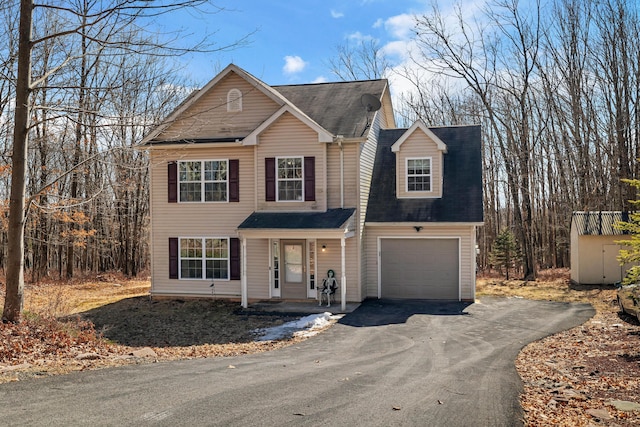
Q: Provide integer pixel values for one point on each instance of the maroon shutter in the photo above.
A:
(234, 258)
(270, 179)
(173, 257)
(309, 179)
(234, 180)
(172, 173)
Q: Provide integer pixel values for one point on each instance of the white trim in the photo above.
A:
(243, 273)
(424, 224)
(379, 249)
(192, 99)
(343, 280)
(303, 233)
(312, 293)
(323, 134)
(419, 125)
(273, 291)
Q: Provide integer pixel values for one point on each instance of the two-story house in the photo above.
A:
(257, 191)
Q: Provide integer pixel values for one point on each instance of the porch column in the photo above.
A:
(243, 285)
(343, 279)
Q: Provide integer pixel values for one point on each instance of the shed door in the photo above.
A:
(420, 268)
(611, 268)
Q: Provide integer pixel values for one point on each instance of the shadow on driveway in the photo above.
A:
(378, 312)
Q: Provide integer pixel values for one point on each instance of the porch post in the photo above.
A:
(243, 285)
(343, 279)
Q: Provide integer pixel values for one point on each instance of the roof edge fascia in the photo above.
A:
(323, 134)
(419, 124)
(252, 80)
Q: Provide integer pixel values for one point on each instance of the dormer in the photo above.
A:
(419, 163)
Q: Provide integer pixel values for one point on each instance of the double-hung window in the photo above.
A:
(290, 179)
(419, 174)
(204, 258)
(203, 181)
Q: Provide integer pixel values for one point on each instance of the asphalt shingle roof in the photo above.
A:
(461, 199)
(336, 107)
(331, 219)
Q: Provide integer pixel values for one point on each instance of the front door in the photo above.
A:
(293, 272)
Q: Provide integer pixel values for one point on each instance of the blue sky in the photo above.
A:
(294, 39)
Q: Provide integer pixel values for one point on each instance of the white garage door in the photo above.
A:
(420, 268)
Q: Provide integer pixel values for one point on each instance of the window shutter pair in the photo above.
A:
(309, 179)
(234, 181)
(234, 258)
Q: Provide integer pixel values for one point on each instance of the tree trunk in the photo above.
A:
(14, 297)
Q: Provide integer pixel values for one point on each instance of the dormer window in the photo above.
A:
(419, 174)
(234, 101)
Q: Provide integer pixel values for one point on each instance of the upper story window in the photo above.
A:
(203, 181)
(419, 174)
(234, 100)
(290, 179)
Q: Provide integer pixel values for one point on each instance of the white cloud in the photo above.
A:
(320, 79)
(293, 64)
(336, 14)
(378, 24)
(401, 26)
(358, 36)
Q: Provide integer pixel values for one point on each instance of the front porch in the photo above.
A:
(299, 249)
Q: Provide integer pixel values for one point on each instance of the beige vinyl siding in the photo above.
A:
(333, 176)
(365, 171)
(419, 145)
(331, 259)
(209, 118)
(289, 137)
(466, 234)
(195, 219)
(258, 269)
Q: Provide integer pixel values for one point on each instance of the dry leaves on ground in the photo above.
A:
(110, 322)
(572, 378)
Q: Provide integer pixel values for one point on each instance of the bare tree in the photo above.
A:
(362, 59)
(99, 26)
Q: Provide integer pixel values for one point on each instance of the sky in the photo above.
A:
(292, 41)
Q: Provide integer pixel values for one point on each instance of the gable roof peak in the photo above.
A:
(419, 124)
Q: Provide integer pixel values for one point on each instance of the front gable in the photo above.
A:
(419, 163)
(221, 113)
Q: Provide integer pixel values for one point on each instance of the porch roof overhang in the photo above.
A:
(333, 224)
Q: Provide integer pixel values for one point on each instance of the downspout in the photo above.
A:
(339, 140)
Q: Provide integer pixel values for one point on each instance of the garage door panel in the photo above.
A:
(420, 268)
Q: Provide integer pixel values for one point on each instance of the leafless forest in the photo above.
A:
(555, 86)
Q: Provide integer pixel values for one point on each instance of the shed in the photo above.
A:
(594, 249)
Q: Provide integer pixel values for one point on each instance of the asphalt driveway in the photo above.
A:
(385, 364)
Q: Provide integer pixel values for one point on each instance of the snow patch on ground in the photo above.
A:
(306, 327)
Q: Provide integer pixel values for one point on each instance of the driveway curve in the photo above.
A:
(389, 363)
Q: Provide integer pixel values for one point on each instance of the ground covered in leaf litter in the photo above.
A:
(578, 377)
(573, 378)
(88, 325)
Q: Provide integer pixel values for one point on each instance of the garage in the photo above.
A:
(420, 268)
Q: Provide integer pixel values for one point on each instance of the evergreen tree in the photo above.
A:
(505, 251)
(631, 255)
